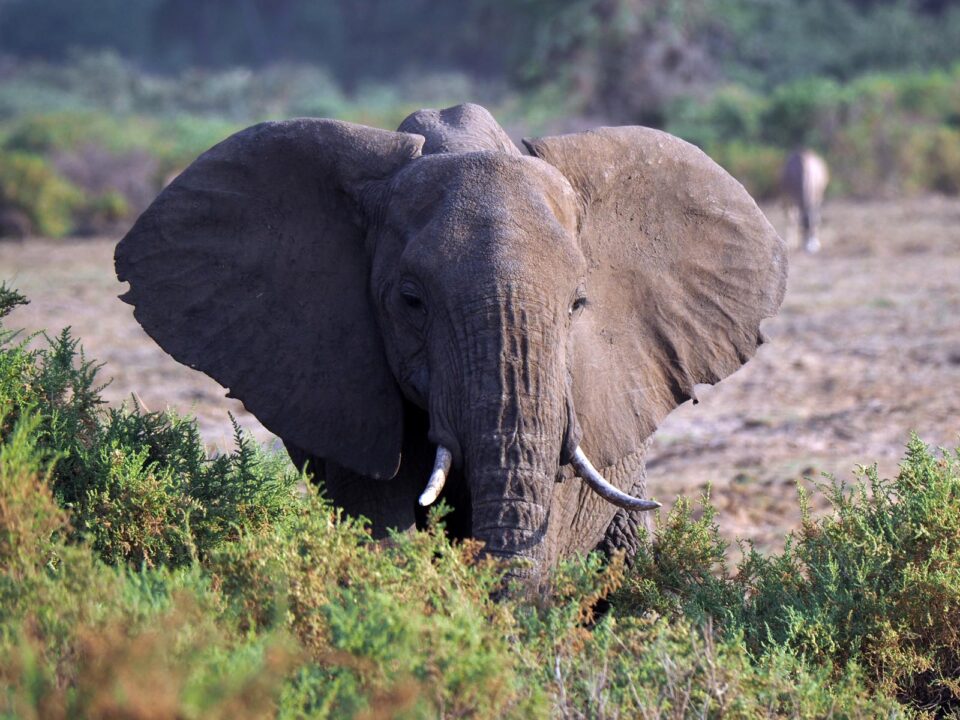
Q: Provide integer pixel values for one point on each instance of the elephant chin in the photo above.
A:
(522, 543)
(509, 507)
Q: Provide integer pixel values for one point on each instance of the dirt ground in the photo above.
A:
(865, 350)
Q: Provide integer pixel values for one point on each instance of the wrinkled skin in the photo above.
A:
(371, 295)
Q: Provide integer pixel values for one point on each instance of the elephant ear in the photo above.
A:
(251, 267)
(682, 267)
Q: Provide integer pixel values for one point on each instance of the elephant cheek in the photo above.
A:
(414, 383)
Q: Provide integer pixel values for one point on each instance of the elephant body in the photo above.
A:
(434, 303)
(804, 182)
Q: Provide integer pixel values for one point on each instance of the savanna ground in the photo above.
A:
(866, 348)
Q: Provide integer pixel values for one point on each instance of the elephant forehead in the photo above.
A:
(508, 214)
(483, 189)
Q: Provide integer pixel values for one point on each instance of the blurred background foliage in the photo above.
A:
(102, 100)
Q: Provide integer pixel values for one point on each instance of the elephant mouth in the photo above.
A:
(497, 490)
(580, 462)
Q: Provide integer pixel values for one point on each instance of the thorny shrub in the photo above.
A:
(140, 578)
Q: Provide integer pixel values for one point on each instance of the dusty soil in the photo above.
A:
(865, 350)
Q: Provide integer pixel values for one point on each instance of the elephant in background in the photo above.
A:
(803, 182)
(433, 306)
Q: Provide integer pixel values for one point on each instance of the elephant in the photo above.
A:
(803, 182)
(432, 305)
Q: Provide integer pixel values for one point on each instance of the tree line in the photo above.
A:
(624, 58)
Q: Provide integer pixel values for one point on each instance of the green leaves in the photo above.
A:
(881, 578)
(229, 588)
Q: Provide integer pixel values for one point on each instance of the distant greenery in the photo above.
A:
(778, 41)
(68, 167)
(140, 578)
(101, 101)
(881, 134)
(29, 184)
(610, 46)
(84, 147)
(84, 171)
(100, 138)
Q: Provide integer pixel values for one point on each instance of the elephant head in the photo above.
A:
(376, 297)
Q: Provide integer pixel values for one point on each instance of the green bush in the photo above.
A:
(733, 114)
(881, 134)
(864, 157)
(116, 164)
(175, 140)
(931, 160)
(804, 112)
(877, 132)
(179, 140)
(685, 574)
(758, 167)
(47, 133)
(104, 210)
(28, 183)
(138, 574)
(870, 591)
(933, 95)
(876, 583)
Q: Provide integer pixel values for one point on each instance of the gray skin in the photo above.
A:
(370, 295)
(803, 183)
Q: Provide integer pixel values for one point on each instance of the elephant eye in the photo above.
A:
(412, 300)
(578, 305)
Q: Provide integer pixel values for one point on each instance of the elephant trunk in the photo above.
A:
(504, 402)
(512, 449)
(504, 415)
(511, 477)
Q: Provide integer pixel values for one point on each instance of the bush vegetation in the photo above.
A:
(141, 578)
(881, 134)
(29, 185)
(137, 89)
(101, 138)
(627, 56)
(69, 166)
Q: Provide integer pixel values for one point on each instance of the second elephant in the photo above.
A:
(803, 183)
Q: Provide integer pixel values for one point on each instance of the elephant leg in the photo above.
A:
(811, 243)
(792, 232)
(385, 503)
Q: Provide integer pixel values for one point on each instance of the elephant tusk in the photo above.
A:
(601, 487)
(438, 477)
